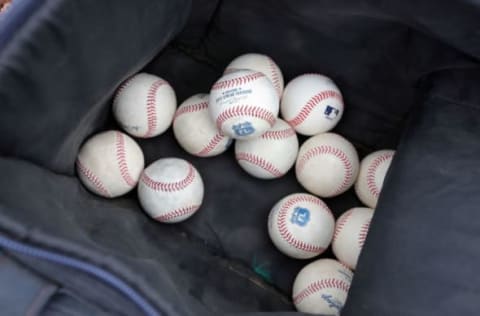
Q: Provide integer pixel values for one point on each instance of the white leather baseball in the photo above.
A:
(312, 104)
(110, 163)
(170, 190)
(262, 63)
(321, 287)
(301, 226)
(327, 165)
(373, 169)
(350, 233)
(270, 155)
(243, 104)
(144, 105)
(195, 131)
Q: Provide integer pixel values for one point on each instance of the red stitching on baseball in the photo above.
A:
(282, 222)
(191, 108)
(230, 83)
(319, 285)
(121, 159)
(372, 169)
(177, 213)
(363, 233)
(169, 186)
(311, 104)
(341, 222)
(329, 150)
(92, 178)
(151, 107)
(277, 135)
(275, 76)
(122, 88)
(211, 145)
(259, 162)
(245, 110)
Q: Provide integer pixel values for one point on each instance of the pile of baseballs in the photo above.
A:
(244, 105)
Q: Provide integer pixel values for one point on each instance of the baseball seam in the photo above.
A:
(212, 144)
(169, 186)
(311, 104)
(121, 155)
(277, 135)
(92, 178)
(230, 83)
(245, 110)
(259, 162)
(122, 88)
(363, 233)
(319, 285)
(191, 108)
(282, 223)
(341, 223)
(275, 76)
(372, 169)
(170, 215)
(329, 150)
(151, 107)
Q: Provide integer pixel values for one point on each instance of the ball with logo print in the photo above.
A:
(243, 104)
(301, 226)
(321, 287)
(312, 104)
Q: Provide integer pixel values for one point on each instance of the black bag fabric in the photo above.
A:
(409, 74)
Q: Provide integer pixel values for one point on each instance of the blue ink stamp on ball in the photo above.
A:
(332, 302)
(243, 129)
(331, 112)
(300, 216)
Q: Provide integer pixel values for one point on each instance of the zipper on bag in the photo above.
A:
(99, 273)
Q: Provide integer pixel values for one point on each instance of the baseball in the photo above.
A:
(262, 63)
(350, 233)
(321, 287)
(144, 105)
(312, 104)
(243, 104)
(170, 190)
(301, 226)
(110, 163)
(270, 155)
(327, 165)
(195, 131)
(373, 169)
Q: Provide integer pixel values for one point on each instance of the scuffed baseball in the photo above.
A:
(312, 104)
(373, 169)
(170, 190)
(110, 163)
(301, 226)
(351, 231)
(327, 165)
(195, 131)
(262, 63)
(270, 155)
(144, 105)
(321, 287)
(243, 104)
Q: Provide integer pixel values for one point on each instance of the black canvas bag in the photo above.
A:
(410, 79)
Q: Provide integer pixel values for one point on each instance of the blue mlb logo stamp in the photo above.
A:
(331, 112)
(300, 216)
(243, 129)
